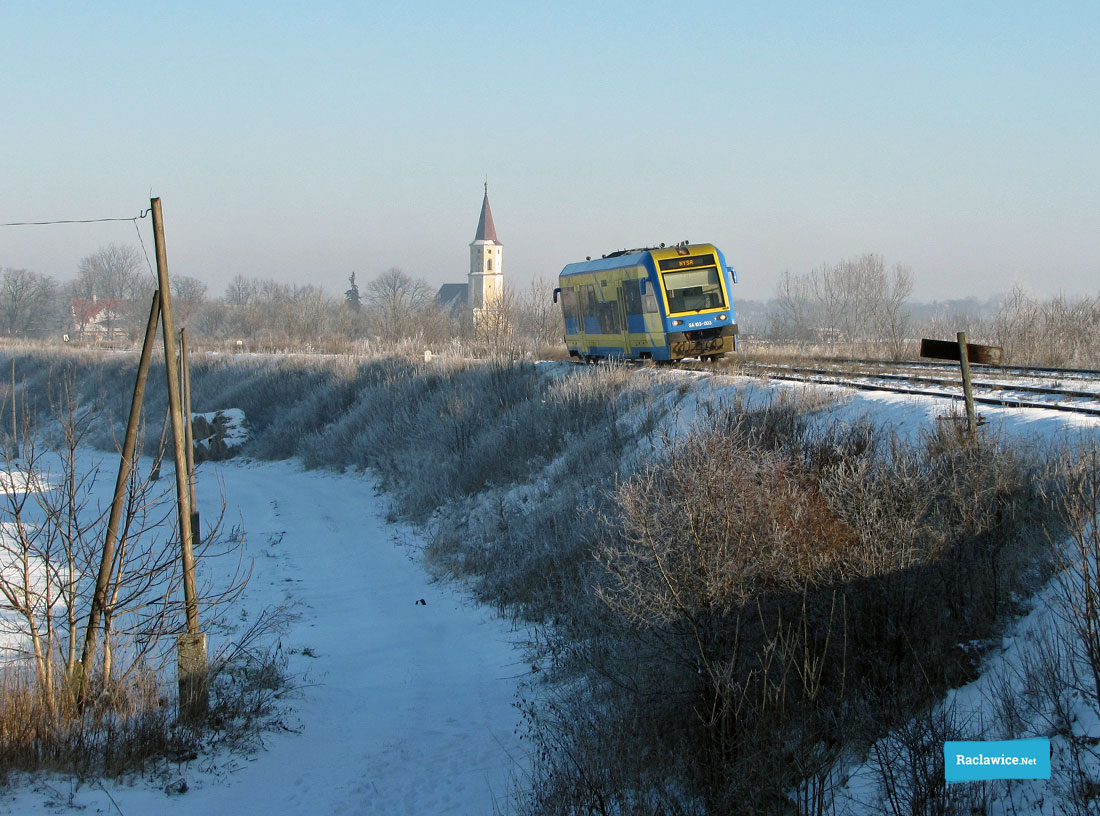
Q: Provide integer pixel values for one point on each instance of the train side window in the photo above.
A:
(589, 305)
(649, 300)
(569, 303)
(609, 318)
(632, 297)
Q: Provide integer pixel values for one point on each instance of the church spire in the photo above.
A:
(486, 279)
(486, 230)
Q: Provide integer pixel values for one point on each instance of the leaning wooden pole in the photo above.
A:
(191, 647)
(185, 392)
(14, 421)
(125, 467)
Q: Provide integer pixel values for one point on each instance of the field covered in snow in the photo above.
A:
(409, 707)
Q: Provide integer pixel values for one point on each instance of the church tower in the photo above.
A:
(486, 280)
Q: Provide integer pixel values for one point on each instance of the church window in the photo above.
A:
(490, 264)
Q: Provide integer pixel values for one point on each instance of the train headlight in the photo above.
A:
(677, 322)
(721, 317)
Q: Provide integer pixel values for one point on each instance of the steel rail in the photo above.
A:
(991, 386)
(827, 378)
(1084, 373)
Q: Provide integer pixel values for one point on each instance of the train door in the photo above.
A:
(610, 317)
(586, 297)
(620, 304)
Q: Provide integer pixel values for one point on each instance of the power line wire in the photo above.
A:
(134, 220)
(143, 214)
(143, 249)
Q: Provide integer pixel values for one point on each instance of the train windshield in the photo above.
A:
(693, 290)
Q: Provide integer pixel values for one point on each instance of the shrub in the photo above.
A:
(773, 595)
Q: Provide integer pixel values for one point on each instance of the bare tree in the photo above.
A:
(50, 546)
(793, 315)
(308, 313)
(27, 301)
(241, 316)
(857, 302)
(886, 294)
(188, 297)
(113, 271)
(112, 278)
(537, 315)
(494, 327)
(393, 300)
(241, 291)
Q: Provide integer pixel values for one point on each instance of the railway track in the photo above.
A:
(1068, 390)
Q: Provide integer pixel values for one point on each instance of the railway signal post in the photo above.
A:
(964, 353)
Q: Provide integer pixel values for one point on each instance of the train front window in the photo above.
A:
(694, 290)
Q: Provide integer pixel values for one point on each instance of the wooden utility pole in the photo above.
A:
(14, 422)
(194, 694)
(129, 446)
(185, 393)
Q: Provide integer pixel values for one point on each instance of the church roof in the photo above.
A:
(451, 295)
(486, 230)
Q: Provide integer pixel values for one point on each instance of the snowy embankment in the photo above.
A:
(1005, 689)
(1019, 692)
(406, 707)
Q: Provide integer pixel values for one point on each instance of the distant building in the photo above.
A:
(101, 321)
(484, 285)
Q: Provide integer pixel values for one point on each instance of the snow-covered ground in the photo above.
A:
(407, 708)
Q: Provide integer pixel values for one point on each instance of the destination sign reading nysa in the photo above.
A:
(687, 262)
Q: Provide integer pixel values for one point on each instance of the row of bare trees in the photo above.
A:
(860, 305)
(857, 302)
(1060, 331)
(112, 287)
(391, 310)
(109, 294)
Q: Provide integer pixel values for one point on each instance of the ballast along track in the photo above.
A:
(1004, 387)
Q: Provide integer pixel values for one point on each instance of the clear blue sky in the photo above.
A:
(301, 141)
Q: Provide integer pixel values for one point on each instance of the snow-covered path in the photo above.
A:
(409, 707)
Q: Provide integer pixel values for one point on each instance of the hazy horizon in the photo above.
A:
(309, 140)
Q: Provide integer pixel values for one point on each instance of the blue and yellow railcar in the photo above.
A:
(660, 303)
